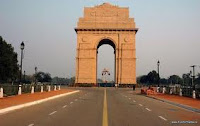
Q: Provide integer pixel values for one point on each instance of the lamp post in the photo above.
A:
(22, 48)
(24, 76)
(158, 64)
(35, 75)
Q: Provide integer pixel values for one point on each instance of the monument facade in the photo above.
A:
(106, 24)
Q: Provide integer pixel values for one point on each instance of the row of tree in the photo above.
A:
(9, 67)
(153, 78)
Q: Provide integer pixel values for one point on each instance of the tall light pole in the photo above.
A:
(22, 48)
(158, 64)
(35, 75)
(24, 76)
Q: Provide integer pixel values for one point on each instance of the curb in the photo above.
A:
(176, 104)
(6, 110)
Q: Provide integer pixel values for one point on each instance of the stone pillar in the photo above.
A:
(42, 88)
(20, 90)
(32, 89)
(54, 87)
(49, 88)
(59, 87)
(194, 94)
(1, 92)
(180, 93)
(163, 90)
(170, 91)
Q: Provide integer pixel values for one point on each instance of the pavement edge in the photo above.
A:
(177, 104)
(12, 108)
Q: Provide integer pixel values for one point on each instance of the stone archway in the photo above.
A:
(106, 24)
(113, 45)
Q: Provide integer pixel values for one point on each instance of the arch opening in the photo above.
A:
(108, 42)
(106, 62)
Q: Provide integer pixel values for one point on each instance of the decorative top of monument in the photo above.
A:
(106, 15)
(106, 5)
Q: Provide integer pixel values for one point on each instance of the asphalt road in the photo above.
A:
(101, 107)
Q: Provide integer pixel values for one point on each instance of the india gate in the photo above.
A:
(106, 24)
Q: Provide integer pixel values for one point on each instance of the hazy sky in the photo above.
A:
(168, 31)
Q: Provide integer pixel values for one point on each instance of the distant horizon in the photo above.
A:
(47, 29)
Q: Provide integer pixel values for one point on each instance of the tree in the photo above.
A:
(186, 79)
(197, 80)
(175, 79)
(9, 69)
(43, 77)
(143, 79)
(163, 81)
(72, 80)
(58, 80)
(152, 77)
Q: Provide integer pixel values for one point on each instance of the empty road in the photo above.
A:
(101, 107)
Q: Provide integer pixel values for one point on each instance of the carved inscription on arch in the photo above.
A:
(104, 14)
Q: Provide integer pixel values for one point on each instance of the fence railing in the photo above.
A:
(186, 91)
(9, 89)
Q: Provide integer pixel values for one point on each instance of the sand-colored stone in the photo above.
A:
(106, 24)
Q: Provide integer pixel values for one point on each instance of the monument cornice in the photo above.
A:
(106, 29)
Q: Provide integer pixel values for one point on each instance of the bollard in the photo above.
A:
(163, 90)
(170, 90)
(42, 88)
(1, 92)
(32, 90)
(59, 87)
(49, 88)
(20, 90)
(54, 87)
(157, 89)
(194, 94)
(180, 93)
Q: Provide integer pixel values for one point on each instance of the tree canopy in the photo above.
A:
(150, 78)
(43, 77)
(9, 69)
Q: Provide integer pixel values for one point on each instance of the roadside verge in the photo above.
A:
(176, 104)
(11, 108)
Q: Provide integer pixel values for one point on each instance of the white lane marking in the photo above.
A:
(140, 105)
(64, 106)
(148, 109)
(71, 102)
(53, 113)
(134, 101)
(31, 124)
(76, 99)
(162, 118)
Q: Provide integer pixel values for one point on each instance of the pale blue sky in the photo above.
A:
(168, 31)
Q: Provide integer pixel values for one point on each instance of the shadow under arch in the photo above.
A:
(110, 42)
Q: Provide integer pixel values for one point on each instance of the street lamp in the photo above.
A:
(22, 48)
(24, 76)
(35, 75)
(158, 64)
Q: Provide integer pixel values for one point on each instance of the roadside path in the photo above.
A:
(25, 98)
